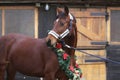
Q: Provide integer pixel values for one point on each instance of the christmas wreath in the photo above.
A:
(73, 72)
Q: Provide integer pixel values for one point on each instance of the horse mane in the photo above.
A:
(75, 28)
(74, 33)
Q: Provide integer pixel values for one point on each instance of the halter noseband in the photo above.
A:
(65, 33)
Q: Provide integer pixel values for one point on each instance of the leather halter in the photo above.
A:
(65, 33)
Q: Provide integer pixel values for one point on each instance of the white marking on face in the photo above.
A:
(57, 20)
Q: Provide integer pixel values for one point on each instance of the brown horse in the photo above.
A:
(31, 56)
(70, 39)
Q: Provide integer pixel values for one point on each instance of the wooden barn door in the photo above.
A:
(91, 26)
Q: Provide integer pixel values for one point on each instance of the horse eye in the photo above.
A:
(61, 24)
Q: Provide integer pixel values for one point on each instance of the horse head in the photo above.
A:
(65, 28)
(62, 25)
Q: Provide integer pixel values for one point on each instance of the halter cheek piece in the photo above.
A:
(65, 33)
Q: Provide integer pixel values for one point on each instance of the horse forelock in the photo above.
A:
(62, 15)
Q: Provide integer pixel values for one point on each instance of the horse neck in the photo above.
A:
(74, 34)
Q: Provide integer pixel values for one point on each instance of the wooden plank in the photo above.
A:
(88, 44)
(94, 72)
(84, 57)
(36, 23)
(114, 43)
(85, 14)
(88, 33)
(103, 30)
(113, 8)
(91, 47)
(108, 26)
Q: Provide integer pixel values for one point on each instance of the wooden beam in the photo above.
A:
(91, 47)
(87, 14)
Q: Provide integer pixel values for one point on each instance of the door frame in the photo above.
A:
(3, 8)
(109, 9)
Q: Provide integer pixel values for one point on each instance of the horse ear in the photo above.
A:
(66, 10)
(59, 10)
